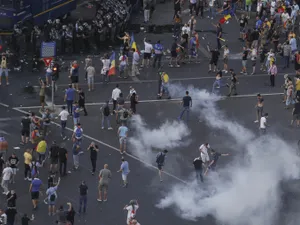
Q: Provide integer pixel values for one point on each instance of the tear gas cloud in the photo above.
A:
(169, 135)
(247, 191)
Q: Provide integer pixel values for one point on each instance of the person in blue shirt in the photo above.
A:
(69, 98)
(258, 23)
(125, 171)
(158, 52)
(34, 189)
(76, 115)
(123, 132)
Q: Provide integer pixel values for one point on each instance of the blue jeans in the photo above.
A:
(212, 11)
(286, 61)
(82, 201)
(63, 124)
(70, 106)
(187, 110)
(105, 118)
(76, 120)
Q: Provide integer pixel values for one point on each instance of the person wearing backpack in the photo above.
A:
(76, 113)
(106, 115)
(76, 149)
(52, 197)
(160, 160)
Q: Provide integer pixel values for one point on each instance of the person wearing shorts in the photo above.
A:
(104, 179)
(4, 69)
(123, 132)
(147, 53)
(34, 188)
(25, 132)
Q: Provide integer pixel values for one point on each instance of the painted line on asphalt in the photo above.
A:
(174, 79)
(113, 148)
(160, 100)
(2, 104)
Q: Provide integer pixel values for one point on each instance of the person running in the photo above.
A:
(273, 72)
(187, 104)
(52, 197)
(34, 189)
(63, 157)
(63, 121)
(147, 53)
(7, 174)
(104, 179)
(296, 113)
(160, 160)
(198, 164)
(74, 75)
(27, 162)
(263, 124)
(54, 155)
(204, 153)
(131, 210)
(259, 108)
(13, 161)
(125, 171)
(123, 66)
(83, 191)
(215, 157)
(25, 132)
(93, 155)
(123, 134)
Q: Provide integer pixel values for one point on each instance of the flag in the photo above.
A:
(133, 43)
(227, 17)
(112, 68)
(222, 20)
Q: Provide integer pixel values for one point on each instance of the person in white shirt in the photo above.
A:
(147, 53)
(284, 17)
(131, 91)
(135, 63)
(63, 121)
(114, 96)
(185, 30)
(263, 124)
(273, 7)
(90, 73)
(7, 174)
(131, 210)
(204, 153)
(123, 65)
(3, 217)
(105, 68)
(225, 58)
(253, 59)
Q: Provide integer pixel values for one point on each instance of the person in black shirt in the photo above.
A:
(13, 161)
(243, 23)
(25, 132)
(25, 219)
(93, 155)
(133, 102)
(11, 214)
(174, 54)
(187, 104)
(81, 101)
(2, 163)
(219, 35)
(54, 155)
(83, 190)
(11, 199)
(296, 113)
(244, 61)
(214, 59)
(215, 158)
(71, 214)
(63, 156)
(233, 83)
(275, 39)
(198, 168)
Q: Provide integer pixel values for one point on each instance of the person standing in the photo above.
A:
(13, 161)
(47, 117)
(204, 153)
(114, 96)
(70, 214)
(105, 110)
(63, 121)
(54, 156)
(187, 104)
(263, 124)
(93, 156)
(125, 171)
(233, 83)
(83, 191)
(69, 98)
(81, 101)
(52, 197)
(11, 215)
(123, 134)
(27, 162)
(244, 61)
(41, 149)
(158, 53)
(88, 62)
(198, 164)
(76, 114)
(133, 102)
(4, 69)
(7, 174)
(123, 66)
(63, 157)
(259, 108)
(273, 73)
(25, 129)
(74, 75)
(147, 53)
(160, 160)
(225, 58)
(214, 60)
(105, 68)
(104, 179)
(34, 189)
(135, 63)
(91, 72)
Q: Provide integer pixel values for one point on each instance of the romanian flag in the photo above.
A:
(224, 19)
(112, 69)
(133, 43)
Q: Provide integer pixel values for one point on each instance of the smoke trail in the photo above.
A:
(246, 192)
(168, 136)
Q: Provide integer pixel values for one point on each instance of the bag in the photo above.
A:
(160, 158)
(106, 111)
(52, 197)
(78, 133)
(125, 114)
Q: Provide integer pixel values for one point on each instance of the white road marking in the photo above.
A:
(159, 100)
(2, 104)
(174, 79)
(113, 148)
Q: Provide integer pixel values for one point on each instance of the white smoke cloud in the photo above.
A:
(169, 135)
(248, 190)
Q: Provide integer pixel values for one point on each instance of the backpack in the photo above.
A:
(160, 158)
(106, 111)
(78, 133)
(52, 197)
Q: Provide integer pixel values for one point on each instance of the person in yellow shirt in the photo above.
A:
(4, 69)
(27, 162)
(297, 85)
(164, 87)
(41, 150)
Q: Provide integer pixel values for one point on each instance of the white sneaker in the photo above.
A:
(29, 179)
(110, 128)
(102, 128)
(256, 121)
(26, 178)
